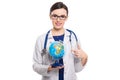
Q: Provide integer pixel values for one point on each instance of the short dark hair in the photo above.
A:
(58, 5)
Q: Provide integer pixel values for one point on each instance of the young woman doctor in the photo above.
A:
(74, 58)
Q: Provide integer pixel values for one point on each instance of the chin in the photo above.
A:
(58, 28)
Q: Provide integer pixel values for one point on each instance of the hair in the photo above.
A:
(58, 5)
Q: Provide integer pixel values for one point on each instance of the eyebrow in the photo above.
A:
(59, 15)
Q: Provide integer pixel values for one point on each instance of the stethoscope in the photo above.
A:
(71, 32)
(44, 51)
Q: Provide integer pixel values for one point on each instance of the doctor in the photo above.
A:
(74, 58)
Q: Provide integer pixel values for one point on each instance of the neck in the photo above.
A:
(56, 32)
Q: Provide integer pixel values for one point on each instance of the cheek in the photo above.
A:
(53, 22)
(63, 23)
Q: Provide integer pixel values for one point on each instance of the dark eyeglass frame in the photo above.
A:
(61, 17)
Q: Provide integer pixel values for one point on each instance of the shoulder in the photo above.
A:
(70, 31)
(73, 34)
(41, 38)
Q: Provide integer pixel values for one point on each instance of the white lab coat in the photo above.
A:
(71, 63)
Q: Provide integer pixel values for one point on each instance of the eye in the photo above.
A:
(63, 16)
(54, 15)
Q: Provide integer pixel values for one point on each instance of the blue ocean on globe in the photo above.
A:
(56, 50)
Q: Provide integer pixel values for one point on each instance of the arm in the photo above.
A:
(84, 57)
(80, 56)
(39, 64)
(37, 58)
(80, 59)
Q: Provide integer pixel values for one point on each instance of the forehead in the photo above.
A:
(61, 11)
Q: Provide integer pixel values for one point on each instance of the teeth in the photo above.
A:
(58, 24)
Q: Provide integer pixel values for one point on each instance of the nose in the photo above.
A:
(58, 18)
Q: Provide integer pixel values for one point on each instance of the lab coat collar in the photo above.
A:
(66, 33)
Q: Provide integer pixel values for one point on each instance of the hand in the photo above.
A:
(57, 68)
(79, 53)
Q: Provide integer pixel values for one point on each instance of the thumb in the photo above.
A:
(78, 46)
(73, 51)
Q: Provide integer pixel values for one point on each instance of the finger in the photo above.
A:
(59, 67)
(74, 51)
(77, 55)
(78, 46)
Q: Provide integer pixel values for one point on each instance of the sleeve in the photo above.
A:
(77, 62)
(37, 60)
(78, 65)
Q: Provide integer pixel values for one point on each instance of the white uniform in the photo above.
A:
(71, 63)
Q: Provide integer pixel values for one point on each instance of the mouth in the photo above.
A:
(58, 24)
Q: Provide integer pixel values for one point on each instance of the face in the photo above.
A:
(58, 17)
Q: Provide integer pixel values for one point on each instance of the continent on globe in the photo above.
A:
(56, 50)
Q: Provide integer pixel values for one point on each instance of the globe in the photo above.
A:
(56, 50)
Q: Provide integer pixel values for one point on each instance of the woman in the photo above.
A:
(74, 57)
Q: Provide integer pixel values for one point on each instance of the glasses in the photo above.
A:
(55, 17)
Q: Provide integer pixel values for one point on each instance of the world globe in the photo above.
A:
(56, 50)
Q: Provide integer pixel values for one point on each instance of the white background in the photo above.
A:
(96, 22)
